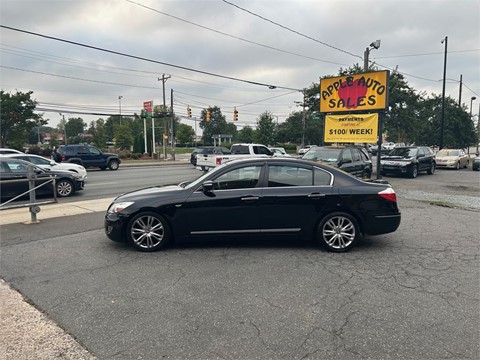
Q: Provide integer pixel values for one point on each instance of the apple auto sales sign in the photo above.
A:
(366, 91)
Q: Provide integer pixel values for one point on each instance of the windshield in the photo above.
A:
(329, 155)
(448, 153)
(403, 152)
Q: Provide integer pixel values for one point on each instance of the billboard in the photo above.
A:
(147, 106)
(366, 91)
(352, 128)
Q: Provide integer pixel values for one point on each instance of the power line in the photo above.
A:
(233, 36)
(425, 54)
(291, 30)
(270, 86)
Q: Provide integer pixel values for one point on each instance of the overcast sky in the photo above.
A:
(228, 39)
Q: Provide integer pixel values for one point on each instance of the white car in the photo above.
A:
(303, 150)
(5, 151)
(48, 164)
(279, 152)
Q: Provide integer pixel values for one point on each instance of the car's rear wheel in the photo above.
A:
(431, 170)
(414, 172)
(148, 231)
(366, 174)
(113, 164)
(338, 232)
(64, 188)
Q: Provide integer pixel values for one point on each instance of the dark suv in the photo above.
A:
(408, 160)
(354, 160)
(203, 150)
(88, 156)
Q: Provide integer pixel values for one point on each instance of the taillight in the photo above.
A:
(388, 194)
(219, 161)
(64, 158)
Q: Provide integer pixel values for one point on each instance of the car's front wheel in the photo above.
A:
(457, 165)
(113, 164)
(148, 231)
(414, 172)
(338, 232)
(64, 188)
(431, 170)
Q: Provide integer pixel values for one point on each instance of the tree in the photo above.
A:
(124, 135)
(185, 134)
(97, 129)
(217, 125)
(246, 135)
(17, 118)
(265, 133)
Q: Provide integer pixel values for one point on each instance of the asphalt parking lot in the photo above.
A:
(413, 294)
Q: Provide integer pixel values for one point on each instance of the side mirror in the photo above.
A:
(52, 163)
(207, 186)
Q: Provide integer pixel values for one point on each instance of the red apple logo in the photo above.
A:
(353, 95)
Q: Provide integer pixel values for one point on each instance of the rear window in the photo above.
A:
(239, 149)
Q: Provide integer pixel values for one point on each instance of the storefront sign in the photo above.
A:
(360, 128)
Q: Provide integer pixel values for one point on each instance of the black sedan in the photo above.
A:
(250, 197)
(14, 179)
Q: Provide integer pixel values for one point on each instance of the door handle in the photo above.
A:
(316, 195)
(250, 198)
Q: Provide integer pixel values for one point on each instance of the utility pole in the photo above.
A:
(163, 79)
(172, 136)
(64, 128)
(442, 120)
(303, 120)
(460, 92)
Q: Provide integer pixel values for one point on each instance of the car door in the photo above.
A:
(423, 160)
(345, 161)
(230, 208)
(293, 197)
(18, 170)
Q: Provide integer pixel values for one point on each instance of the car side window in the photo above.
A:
(240, 178)
(322, 178)
(347, 156)
(93, 150)
(260, 150)
(69, 151)
(420, 152)
(286, 175)
(356, 155)
(82, 150)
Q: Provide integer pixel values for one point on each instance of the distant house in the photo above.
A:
(47, 137)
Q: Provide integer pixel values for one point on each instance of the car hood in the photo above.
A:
(396, 157)
(447, 157)
(166, 191)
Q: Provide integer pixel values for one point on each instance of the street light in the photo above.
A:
(120, 107)
(374, 45)
(471, 103)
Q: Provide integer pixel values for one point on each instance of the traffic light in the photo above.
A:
(208, 116)
(189, 111)
(235, 114)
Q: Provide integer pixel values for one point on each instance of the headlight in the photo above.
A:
(117, 207)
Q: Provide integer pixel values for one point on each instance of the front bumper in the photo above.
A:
(114, 227)
(394, 169)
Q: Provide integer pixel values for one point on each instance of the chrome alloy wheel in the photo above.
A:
(339, 232)
(147, 232)
(64, 188)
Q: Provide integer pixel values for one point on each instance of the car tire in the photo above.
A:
(148, 231)
(64, 188)
(431, 169)
(457, 165)
(338, 232)
(414, 172)
(113, 164)
(366, 174)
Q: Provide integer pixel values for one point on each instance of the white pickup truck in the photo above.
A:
(238, 151)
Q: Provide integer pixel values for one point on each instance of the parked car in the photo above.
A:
(389, 145)
(88, 156)
(256, 196)
(408, 160)
(9, 151)
(373, 149)
(279, 151)
(304, 150)
(451, 158)
(476, 163)
(48, 164)
(354, 160)
(67, 182)
(219, 150)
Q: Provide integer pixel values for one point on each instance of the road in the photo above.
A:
(413, 294)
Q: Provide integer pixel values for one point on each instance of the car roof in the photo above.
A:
(6, 151)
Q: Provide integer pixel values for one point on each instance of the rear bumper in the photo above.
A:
(382, 224)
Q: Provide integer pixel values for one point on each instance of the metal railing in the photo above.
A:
(33, 204)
